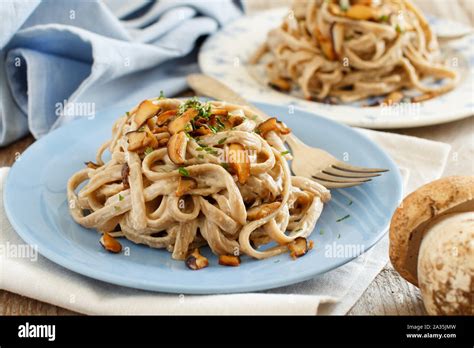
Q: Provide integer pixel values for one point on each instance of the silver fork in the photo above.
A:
(307, 161)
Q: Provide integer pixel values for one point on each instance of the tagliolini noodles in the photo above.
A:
(187, 174)
(351, 50)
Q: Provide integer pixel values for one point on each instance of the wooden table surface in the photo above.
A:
(388, 294)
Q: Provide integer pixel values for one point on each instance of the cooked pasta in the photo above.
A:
(349, 50)
(182, 175)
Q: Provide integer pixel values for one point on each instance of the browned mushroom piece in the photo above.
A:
(165, 117)
(145, 111)
(431, 236)
(137, 140)
(219, 112)
(179, 123)
(92, 165)
(185, 185)
(326, 45)
(125, 174)
(109, 243)
(196, 261)
(393, 98)
(262, 211)
(272, 124)
(337, 38)
(229, 260)
(177, 147)
(298, 247)
(239, 161)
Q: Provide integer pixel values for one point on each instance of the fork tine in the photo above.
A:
(331, 178)
(331, 184)
(349, 168)
(346, 174)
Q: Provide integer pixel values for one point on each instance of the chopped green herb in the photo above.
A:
(213, 129)
(141, 129)
(183, 171)
(222, 141)
(254, 117)
(203, 109)
(220, 124)
(148, 150)
(199, 149)
(343, 218)
(383, 18)
(344, 5)
(321, 232)
(188, 135)
(201, 156)
(162, 95)
(210, 150)
(116, 208)
(225, 165)
(299, 229)
(398, 29)
(284, 153)
(121, 197)
(128, 114)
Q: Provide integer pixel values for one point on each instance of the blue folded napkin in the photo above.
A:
(62, 60)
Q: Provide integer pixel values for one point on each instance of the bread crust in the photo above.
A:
(446, 195)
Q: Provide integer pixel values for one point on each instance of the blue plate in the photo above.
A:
(36, 204)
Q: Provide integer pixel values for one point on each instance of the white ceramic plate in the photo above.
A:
(225, 55)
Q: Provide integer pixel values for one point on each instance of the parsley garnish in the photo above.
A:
(344, 5)
(183, 171)
(284, 153)
(343, 218)
(222, 141)
(383, 18)
(225, 165)
(121, 197)
(201, 156)
(162, 95)
(141, 129)
(116, 208)
(398, 29)
(203, 109)
(128, 114)
(148, 150)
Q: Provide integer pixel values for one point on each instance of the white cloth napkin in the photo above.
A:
(335, 292)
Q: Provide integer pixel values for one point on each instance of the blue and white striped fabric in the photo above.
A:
(60, 60)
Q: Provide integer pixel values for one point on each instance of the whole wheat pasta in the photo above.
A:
(350, 50)
(187, 174)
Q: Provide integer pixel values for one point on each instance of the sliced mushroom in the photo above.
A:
(298, 247)
(177, 147)
(361, 12)
(125, 174)
(239, 162)
(326, 46)
(393, 98)
(165, 117)
(92, 165)
(179, 123)
(272, 124)
(337, 36)
(262, 211)
(137, 140)
(196, 261)
(280, 84)
(219, 112)
(229, 260)
(145, 111)
(110, 243)
(153, 141)
(185, 185)
(423, 97)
